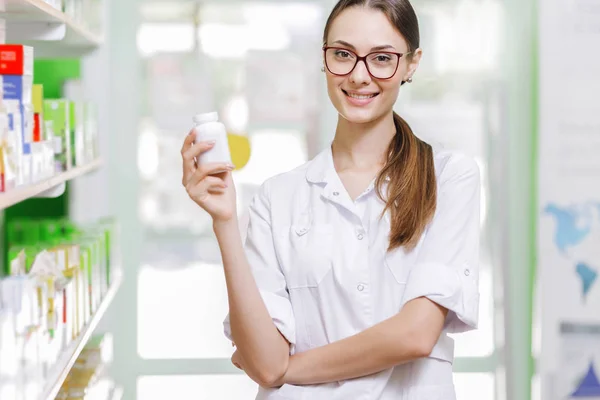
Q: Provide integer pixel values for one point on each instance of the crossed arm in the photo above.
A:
(407, 336)
(450, 253)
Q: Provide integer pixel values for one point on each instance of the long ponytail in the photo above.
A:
(412, 189)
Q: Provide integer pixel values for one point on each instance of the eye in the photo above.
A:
(343, 54)
(383, 58)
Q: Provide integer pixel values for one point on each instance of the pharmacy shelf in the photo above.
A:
(19, 194)
(69, 356)
(50, 31)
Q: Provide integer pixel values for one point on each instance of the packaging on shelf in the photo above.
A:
(8, 152)
(85, 380)
(20, 122)
(60, 274)
(17, 98)
(83, 123)
(70, 308)
(9, 359)
(16, 59)
(58, 111)
(42, 146)
(16, 68)
(19, 88)
(42, 160)
(77, 133)
(19, 296)
(37, 97)
(16, 261)
(111, 229)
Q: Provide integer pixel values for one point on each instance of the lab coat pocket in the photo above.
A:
(398, 263)
(310, 255)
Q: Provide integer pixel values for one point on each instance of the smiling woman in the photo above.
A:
(359, 263)
(364, 89)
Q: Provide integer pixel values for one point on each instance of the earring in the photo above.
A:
(409, 80)
(323, 69)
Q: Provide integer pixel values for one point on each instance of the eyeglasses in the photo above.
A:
(380, 64)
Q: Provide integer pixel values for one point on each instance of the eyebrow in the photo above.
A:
(376, 48)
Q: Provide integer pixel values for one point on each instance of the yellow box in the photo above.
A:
(37, 98)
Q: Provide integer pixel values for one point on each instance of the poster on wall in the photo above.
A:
(579, 352)
(568, 252)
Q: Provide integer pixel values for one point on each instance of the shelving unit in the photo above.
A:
(19, 194)
(61, 38)
(50, 31)
(69, 356)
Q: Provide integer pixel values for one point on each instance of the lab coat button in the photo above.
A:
(360, 288)
(467, 272)
(301, 231)
(336, 193)
(360, 236)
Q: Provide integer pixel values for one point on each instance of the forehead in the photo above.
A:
(365, 28)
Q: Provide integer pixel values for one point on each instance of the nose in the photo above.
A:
(360, 75)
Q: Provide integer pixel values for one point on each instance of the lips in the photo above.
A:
(359, 99)
(360, 96)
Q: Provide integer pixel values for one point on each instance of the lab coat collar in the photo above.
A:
(322, 170)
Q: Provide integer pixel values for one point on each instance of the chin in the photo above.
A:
(359, 116)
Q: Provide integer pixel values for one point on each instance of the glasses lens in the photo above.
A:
(383, 65)
(339, 61)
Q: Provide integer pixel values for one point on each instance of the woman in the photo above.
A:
(359, 263)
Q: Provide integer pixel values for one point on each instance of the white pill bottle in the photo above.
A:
(208, 128)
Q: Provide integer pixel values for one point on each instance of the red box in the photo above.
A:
(37, 128)
(16, 59)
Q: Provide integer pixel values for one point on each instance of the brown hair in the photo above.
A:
(412, 193)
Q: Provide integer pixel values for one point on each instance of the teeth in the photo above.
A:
(361, 96)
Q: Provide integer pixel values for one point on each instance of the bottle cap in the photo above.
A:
(206, 117)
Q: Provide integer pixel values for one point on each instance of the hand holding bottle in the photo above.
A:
(209, 184)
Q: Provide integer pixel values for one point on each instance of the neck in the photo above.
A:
(362, 146)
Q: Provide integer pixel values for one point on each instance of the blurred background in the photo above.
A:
(511, 83)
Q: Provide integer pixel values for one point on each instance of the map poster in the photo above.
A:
(580, 361)
(568, 242)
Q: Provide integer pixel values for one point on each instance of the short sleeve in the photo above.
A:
(260, 252)
(447, 267)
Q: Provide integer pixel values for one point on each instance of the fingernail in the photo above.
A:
(231, 166)
(211, 142)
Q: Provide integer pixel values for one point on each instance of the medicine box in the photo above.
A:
(58, 111)
(16, 59)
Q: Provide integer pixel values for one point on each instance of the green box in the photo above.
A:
(58, 111)
(50, 230)
(23, 232)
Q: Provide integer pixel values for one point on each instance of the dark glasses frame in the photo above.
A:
(363, 59)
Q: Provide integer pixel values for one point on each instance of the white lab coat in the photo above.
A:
(320, 262)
